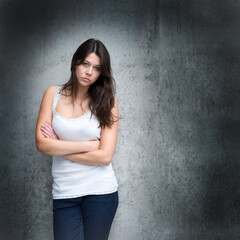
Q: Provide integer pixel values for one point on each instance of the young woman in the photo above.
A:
(78, 126)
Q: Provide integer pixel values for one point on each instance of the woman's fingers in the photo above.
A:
(43, 129)
(48, 127)
(48, 130)
(44, 134)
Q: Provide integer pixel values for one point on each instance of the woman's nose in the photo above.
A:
(89, 71)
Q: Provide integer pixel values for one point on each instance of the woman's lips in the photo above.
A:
(86, 79)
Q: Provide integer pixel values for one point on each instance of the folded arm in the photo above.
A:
(104, 154)
(55, 147)
(52, 146)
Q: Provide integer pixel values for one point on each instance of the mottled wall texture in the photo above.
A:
(176, 66)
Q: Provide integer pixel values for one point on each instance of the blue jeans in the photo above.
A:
(84, 218)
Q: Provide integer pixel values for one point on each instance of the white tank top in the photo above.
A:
(71, 179)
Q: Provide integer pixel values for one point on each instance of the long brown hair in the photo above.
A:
(102, 91)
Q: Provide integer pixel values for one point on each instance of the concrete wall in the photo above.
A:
(176, 65)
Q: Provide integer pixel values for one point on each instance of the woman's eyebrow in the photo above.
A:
(90, 62)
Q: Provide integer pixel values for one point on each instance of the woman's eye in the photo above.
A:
(85, 64)
(97, 68)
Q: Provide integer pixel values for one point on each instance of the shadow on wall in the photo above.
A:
(219, 100)
(202, 118)
(198, 106)
(221, 175)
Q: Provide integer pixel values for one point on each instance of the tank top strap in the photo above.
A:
(56, 98)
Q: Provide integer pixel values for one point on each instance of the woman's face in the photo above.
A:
(89, 71)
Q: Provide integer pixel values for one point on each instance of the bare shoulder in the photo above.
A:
(50, 92)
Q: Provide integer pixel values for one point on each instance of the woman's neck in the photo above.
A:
(82, 95)
(82, 92)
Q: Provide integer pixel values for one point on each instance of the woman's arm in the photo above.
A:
(108, 142)
(55, 147)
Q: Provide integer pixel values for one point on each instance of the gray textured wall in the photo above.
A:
(176, 65)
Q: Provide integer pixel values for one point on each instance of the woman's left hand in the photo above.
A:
(48, 131)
